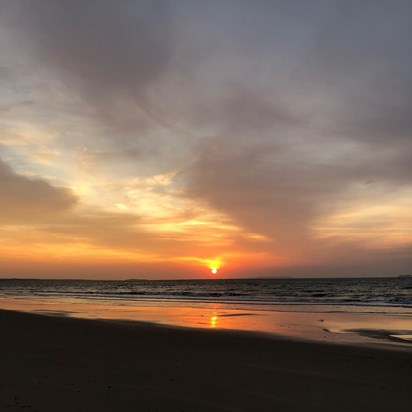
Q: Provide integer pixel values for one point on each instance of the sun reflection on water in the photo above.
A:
(213, 321)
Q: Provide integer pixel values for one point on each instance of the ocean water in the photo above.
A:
(357, 292)
(354, 311)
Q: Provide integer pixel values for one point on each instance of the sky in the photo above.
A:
(163, 139)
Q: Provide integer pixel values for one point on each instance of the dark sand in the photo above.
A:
(63, 364)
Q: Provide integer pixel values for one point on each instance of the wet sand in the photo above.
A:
(67, 364)
(322, 324)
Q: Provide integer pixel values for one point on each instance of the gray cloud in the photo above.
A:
(262, 187)
(348, 92)
(109, 51)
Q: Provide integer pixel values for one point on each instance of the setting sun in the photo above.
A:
(214, 271)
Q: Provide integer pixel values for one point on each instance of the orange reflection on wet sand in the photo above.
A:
(304, 323)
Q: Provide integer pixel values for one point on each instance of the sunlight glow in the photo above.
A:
(213, 264)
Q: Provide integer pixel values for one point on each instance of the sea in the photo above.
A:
(350, 310)
(357, 292)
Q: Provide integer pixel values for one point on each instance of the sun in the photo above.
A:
(213, 265)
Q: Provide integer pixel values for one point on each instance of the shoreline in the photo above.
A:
(62, 363)
(380, 339)
(342, 327)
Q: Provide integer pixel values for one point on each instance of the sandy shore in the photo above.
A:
(317, 323)
(65, 364)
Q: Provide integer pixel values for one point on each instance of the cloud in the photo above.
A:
(110, 52)
(36, 214)
(281, 116)
(362, 60)
(29, 200)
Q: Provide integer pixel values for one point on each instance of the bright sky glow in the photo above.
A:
(165, 139)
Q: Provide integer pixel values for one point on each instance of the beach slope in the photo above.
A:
(64, 364)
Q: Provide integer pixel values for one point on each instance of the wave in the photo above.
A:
(232, 297)
(389, 292)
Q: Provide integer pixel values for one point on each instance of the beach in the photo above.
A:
(56, 363)
(205, 206)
